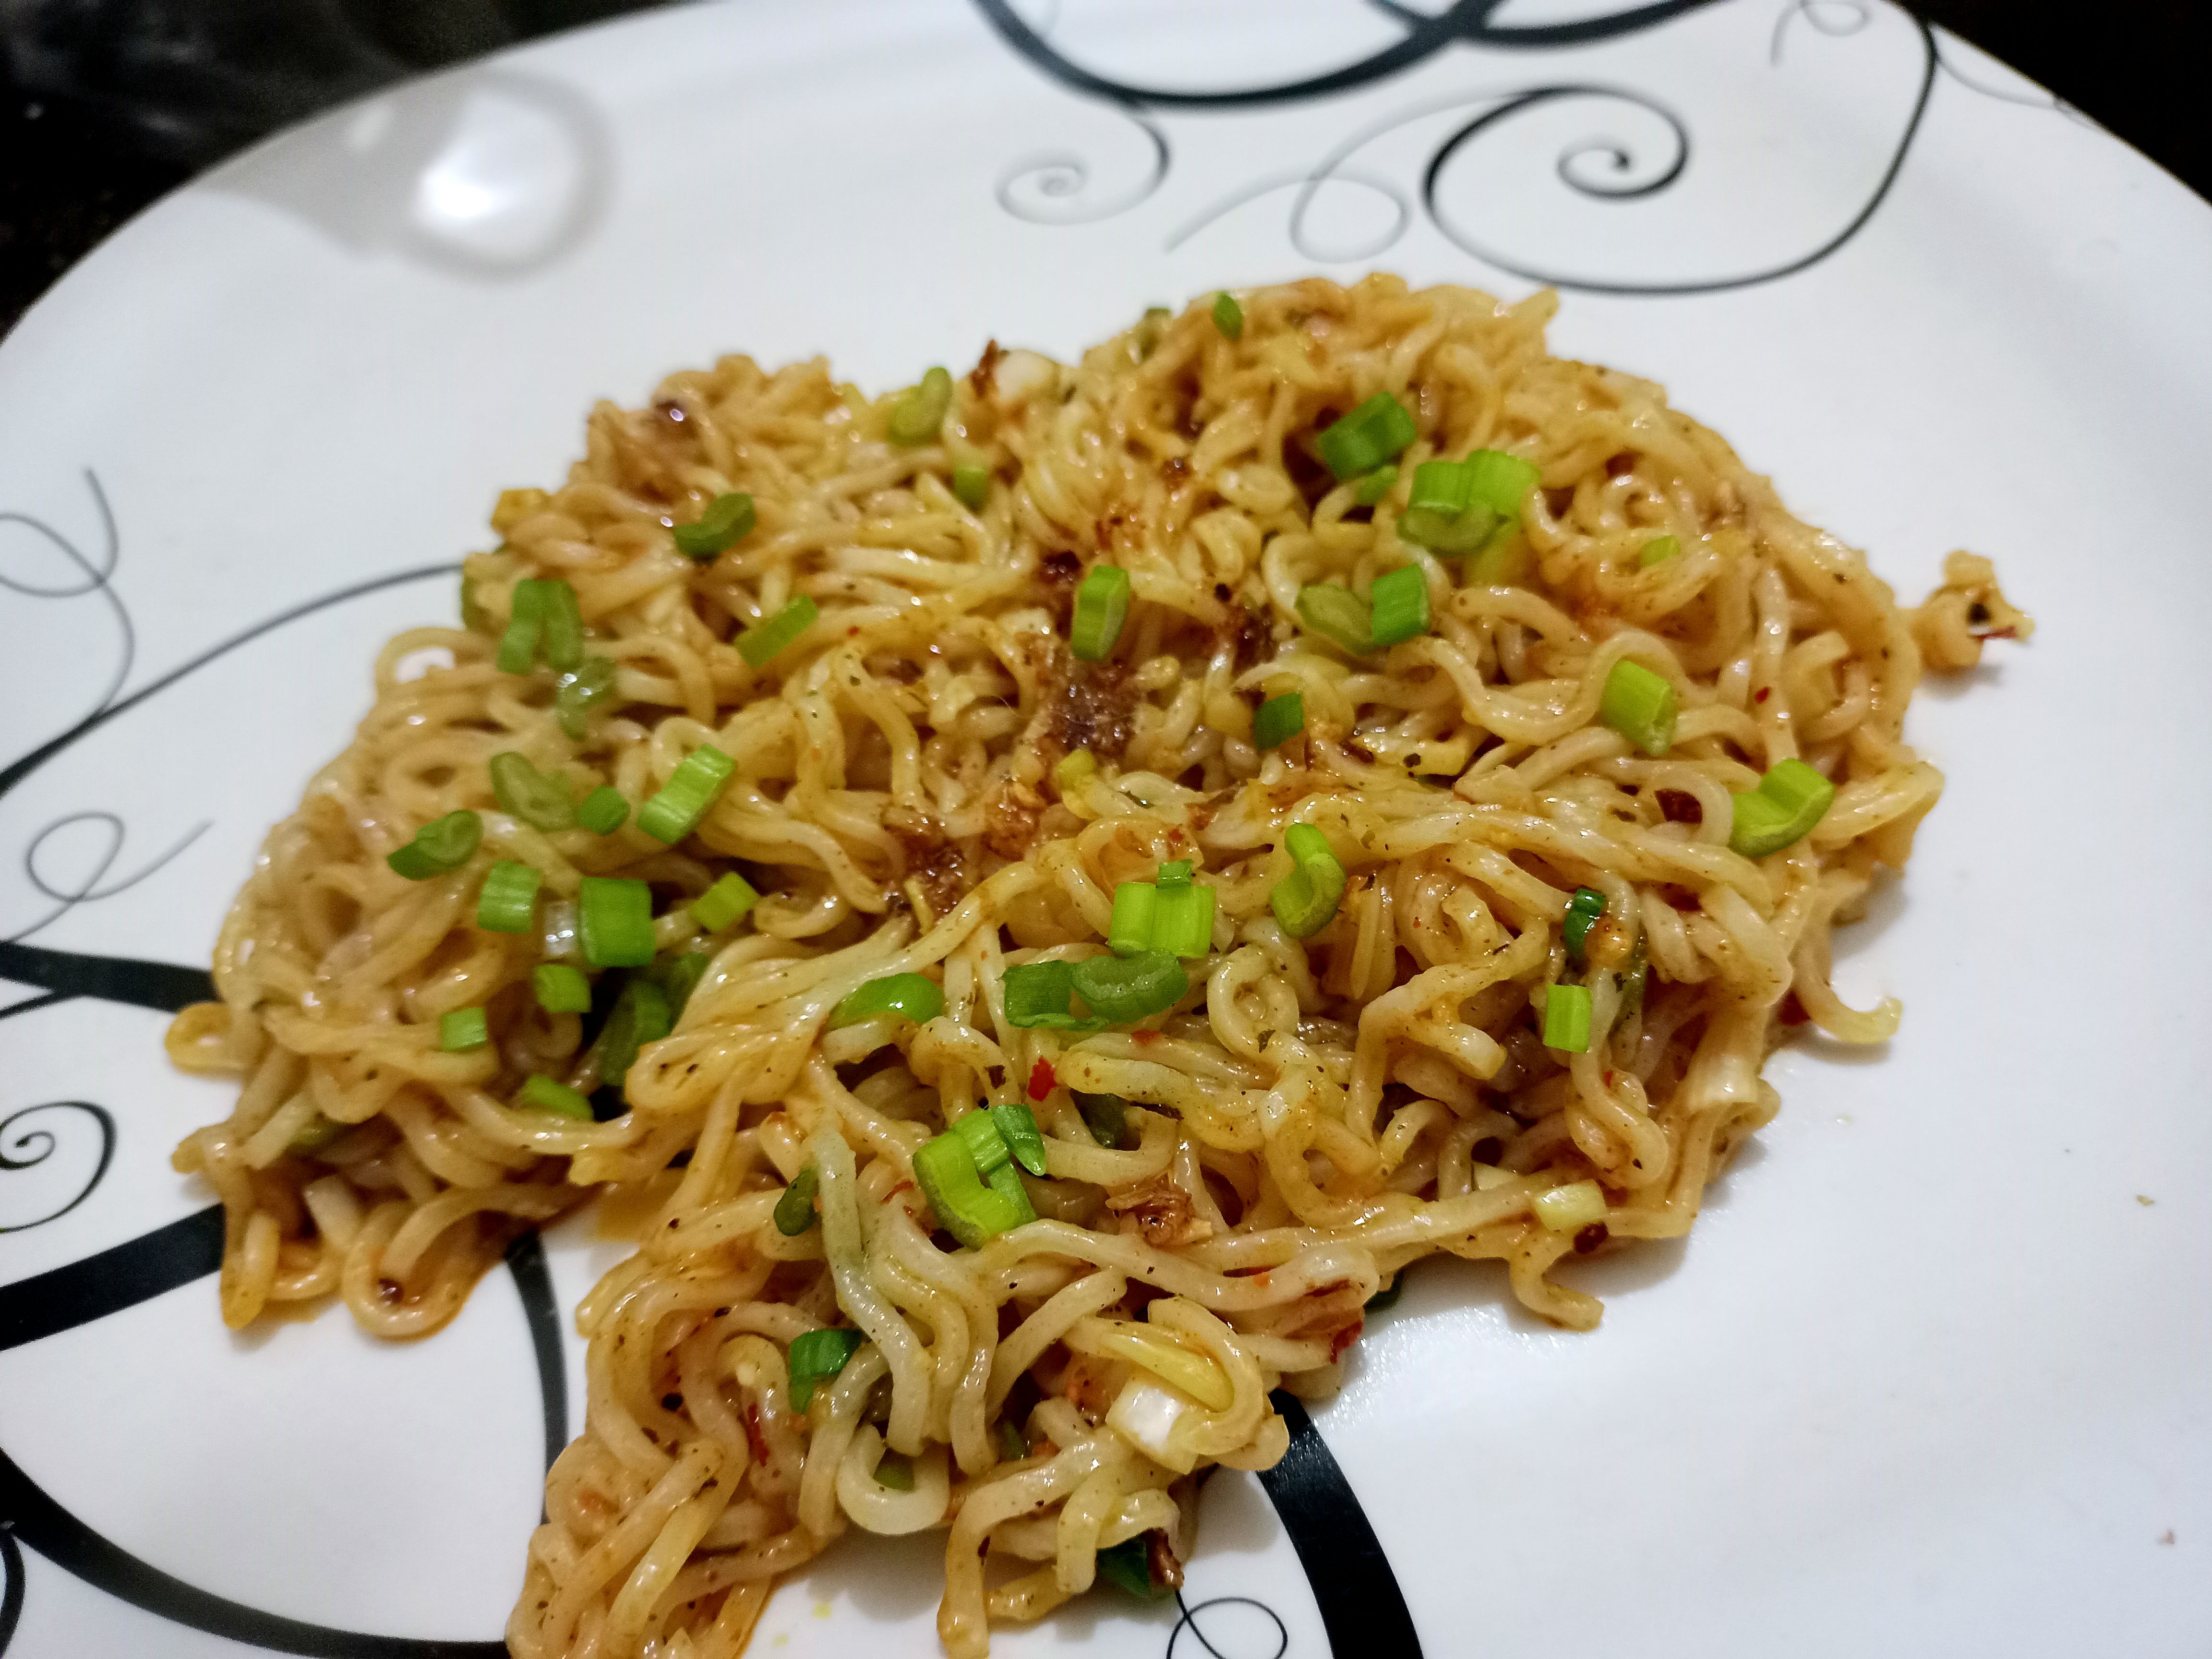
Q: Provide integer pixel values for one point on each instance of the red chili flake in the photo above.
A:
(1608, 1080)
(1144, 1039)
(1591, 1238)
(754, 1437)
(853, 633)
(888, 1196)
(1345, 1338)
(1792, 1011)
(2000, 633)
(1043, 1080)
(1759, 695)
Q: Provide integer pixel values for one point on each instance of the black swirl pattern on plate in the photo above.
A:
(28, 1148)
(1200, 1641)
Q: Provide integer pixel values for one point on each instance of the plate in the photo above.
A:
(1934, 1374)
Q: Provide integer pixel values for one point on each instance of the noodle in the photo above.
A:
(1311, 1117)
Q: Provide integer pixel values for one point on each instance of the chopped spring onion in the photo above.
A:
(438, 846)
(316, 1133)
(679, 976)
(564, 626)
(1582, 911)
(675, 811)
(1632, 977)
(1444, 514)
(794, 1211)
(1130, 931)
(614, 921)
(1075, 771)
(547, 1096)
(1503, 562)
(1280, 720)
(727, 520)
(603, 810)
(1128, 1567)
(1640, 706)
(1102, 605)
(895, 1472)
(1182, 921)
(1658, 550)
(1305, 900)
(1123, 989)
(973, 1208)
(1017, 1126)
(1040, 993)
(1338, 615)
(912, 995)
(1176, 873)
(1567, 1019)
(462, 1029)
(1790, 800)
(816, 1356)
(921, 411)
(1364, 439)
(561, 989)
(1387, 1298)
(758, 643)
(1107, 1117)
(728, 900)
(1502, 481)
(1228, 317)
(1013, 1444)
(508, 902)
(986, 1143)
(518, 646)
(971, 487)
(576, 694)
(1375, 485)
(541, 800)
(1571, 1208)
(640, 1015)
(1401, 606)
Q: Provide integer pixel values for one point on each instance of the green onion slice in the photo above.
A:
(1040, 993)
(1280, 720)
(561, 989)
(1338, 615)
(564, 626)
(757, 644)
(1305, 902)
(916, 416)
(518, 646)
(1443, 512)
(895, 1472)
(547, 1096)
(1175, 873)
(1228, 317)
(1102, 605)
(984, 1142)
(1107, 1117)
(1128, 1567)
(1658, 550)
(1567, 1019)
(1013, 1444)
(508, 902)
(675, 811)
(794, 1211)
(1582, 912)
(971, 487)
(1131, 928)
(1640, 706)
(816, 1356)
(1183, 924)
(1502, 481)
(1790, 800)
(541, 800)
(730, 899)
(603, 810)
(1400, 602)
(1123, 989)
(438, 846)
(915, 996)
(640, 1015)
(1018, 1128)
(727, 520)
(577, 693)
(972, 1210)
(679, 976)
(1075, 771)
(1364, 439)
(1632, 977)
(463, 1029)
(614, 921)
(1375, 485)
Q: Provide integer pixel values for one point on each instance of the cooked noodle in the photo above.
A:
(1312, 1116)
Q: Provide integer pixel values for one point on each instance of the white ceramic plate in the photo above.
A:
(1934, 1375)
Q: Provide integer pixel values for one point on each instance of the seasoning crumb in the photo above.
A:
(821, 1609)
(2145, 1200)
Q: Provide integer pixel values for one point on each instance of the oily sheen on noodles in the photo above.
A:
(1573, 751)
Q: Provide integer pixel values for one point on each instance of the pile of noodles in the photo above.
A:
(1311, 1117)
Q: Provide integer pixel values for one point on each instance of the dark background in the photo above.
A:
(106, 105)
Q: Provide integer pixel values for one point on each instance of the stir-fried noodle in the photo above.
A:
(927, 783)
